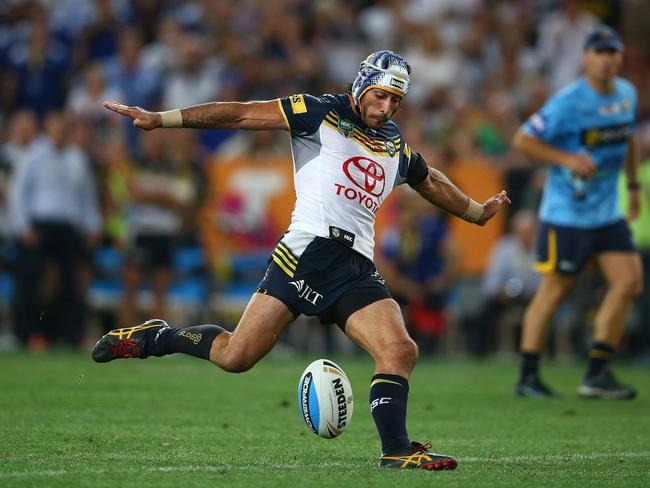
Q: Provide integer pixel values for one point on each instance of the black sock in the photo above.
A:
(599, 357)
(529, 364)
(388, 397)
(195, 341)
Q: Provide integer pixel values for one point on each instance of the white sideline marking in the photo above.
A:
(555, 457)
(222, 467)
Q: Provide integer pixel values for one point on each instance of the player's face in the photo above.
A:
(602, 64)
(378, 107)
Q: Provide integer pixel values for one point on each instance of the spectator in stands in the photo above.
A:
(197, 79)
(417, 261)
(116, 169)
(125, 71)
(561, 36)
(85, 100)
(101, 34)
(160, 194)
(22, 135)
(37, 70)
(508, 286)
(53, 211)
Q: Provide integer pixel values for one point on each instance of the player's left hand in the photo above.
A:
(492, 206)
(634, 204)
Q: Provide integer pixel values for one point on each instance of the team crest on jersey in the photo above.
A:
(345, 127)
(390, 147)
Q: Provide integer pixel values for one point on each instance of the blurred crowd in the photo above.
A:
(76, 179)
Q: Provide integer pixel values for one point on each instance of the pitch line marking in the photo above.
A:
(222, 467)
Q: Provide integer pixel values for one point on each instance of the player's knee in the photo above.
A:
(627, 287)
(235, 363)
(402, 355)
(412, 352)
(633, 286)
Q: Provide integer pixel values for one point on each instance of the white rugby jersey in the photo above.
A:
(343, 171)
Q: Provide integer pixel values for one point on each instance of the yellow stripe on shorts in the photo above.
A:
(280, 263)
(548, 266)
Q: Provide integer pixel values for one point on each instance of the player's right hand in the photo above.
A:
(492, 206)
(581, 165)
(142, 119)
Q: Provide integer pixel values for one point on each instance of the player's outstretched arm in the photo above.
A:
(215, 115)
(441, 192)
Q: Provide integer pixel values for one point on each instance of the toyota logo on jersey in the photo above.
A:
(367, 174)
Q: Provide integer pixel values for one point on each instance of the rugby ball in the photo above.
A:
(325, 398)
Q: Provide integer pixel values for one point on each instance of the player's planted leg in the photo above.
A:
(537, 320)
(623, 272)
(379, 328)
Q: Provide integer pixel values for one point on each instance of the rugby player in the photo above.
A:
(586, 133)
(348, 155)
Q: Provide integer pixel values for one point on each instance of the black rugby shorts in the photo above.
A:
(329, 280)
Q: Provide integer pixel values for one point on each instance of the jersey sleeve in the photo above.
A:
(303, 114)
(416, 167)
(550, 121)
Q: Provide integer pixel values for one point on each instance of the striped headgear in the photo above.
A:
(382, 69)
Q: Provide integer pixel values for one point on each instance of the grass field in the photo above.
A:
(65, 421)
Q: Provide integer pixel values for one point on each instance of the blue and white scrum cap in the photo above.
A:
(382, 69)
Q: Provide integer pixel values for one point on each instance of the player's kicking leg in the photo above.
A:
(258, 330)
(379, 329)
(623, 272)
(537, 320)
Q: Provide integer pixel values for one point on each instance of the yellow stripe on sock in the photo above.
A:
(598, 353)
(382, 380)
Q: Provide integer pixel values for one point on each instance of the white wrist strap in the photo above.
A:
(473, 212)
(171, 118)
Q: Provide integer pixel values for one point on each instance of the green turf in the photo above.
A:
(65, 421)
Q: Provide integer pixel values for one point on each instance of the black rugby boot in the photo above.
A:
(417, 456)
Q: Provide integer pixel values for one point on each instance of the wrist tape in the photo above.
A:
(473, 212)
(171, 118)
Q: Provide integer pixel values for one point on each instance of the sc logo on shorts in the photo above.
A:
(366, 174)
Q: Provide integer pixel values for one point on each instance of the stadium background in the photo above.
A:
(479, 69)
